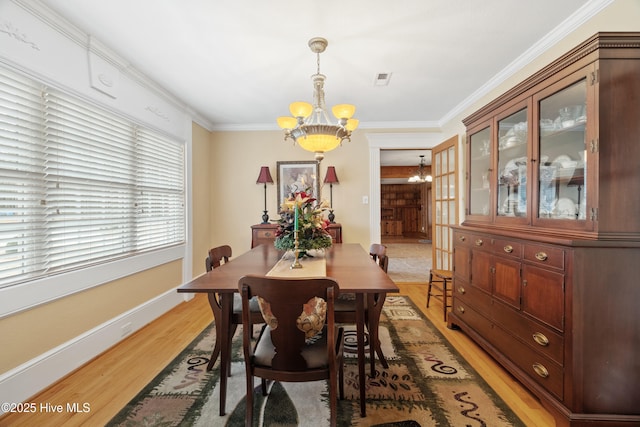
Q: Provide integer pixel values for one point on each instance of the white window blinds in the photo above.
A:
(80, 185)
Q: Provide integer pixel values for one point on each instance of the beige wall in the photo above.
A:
(238, 202)
(32, 332)
(202, 194)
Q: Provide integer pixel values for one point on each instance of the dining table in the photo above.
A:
(347, 263)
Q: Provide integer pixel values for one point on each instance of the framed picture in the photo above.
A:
(297, 176)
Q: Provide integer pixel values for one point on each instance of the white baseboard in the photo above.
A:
(26, 380)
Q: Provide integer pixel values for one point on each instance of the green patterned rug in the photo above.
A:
(427, 383)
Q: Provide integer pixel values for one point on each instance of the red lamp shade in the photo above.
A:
(265, 176)
(331, 177)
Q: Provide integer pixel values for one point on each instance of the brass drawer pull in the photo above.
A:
(462, 238)
(461, 309)
(540, 370)
(508, 249)
(461, 290)
(479, 242)
(541, 256)
(541, 339)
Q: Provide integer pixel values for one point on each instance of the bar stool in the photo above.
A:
(440, 279)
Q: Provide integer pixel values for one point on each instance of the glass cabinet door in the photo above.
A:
(512, 165)
(562, 162)
(480, 173)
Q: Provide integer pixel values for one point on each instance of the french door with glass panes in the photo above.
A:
(445, 201)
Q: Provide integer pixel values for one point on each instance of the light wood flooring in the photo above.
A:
(108, 382)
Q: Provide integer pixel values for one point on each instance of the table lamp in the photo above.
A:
(264, 178)
(331, 178)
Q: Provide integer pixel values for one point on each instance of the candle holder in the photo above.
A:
(296, 251)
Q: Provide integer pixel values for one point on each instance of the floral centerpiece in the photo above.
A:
(302, 211)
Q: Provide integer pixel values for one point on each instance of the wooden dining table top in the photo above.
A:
(348, 263)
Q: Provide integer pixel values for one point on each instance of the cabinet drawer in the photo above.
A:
(542, 339)
(480, 242)
(264, 234)
(472, 318)
(508, 248)
(462, 239)
(472, 296)
(537, 366)
(545, 255)
(335, 235)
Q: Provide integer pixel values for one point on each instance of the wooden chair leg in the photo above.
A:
(333, 398)
(429, 288)
(341, 380)
(232, 332)
(444, 297)
(375, 303)
(248, 421)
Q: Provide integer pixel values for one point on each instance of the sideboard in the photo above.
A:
(265, 234)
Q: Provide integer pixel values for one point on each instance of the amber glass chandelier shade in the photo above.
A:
(343, 111)
(300, 109)
(352, 124)
(286, 122)
(319, 143)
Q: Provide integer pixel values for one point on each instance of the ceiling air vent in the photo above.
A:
(382, 79)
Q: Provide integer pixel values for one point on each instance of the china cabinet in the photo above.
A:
(547, 258)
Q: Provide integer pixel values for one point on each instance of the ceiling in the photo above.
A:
(238, 65)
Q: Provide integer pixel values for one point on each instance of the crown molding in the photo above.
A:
(562, 30)
(58, 23)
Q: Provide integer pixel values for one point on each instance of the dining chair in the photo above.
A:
(299, 342)
(346, 307)
(218, 256)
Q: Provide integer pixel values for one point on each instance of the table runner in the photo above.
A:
(315, 266)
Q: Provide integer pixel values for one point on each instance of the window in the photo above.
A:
(80, 185)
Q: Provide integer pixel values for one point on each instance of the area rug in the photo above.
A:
(409, 262)
(427, 383)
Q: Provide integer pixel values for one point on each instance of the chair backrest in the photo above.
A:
(293, 304)
(379, 254)
(217, 256)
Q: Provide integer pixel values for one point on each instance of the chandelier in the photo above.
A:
(421, 173)
(310, 126)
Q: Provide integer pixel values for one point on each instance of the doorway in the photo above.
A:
(391, 141)
(405, 191)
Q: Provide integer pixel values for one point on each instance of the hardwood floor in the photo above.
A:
(108, 382)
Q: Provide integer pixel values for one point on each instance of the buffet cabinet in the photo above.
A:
(547, 258)
(265, 234)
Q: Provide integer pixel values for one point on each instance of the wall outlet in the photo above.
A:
(365, 200)
(126, 329)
